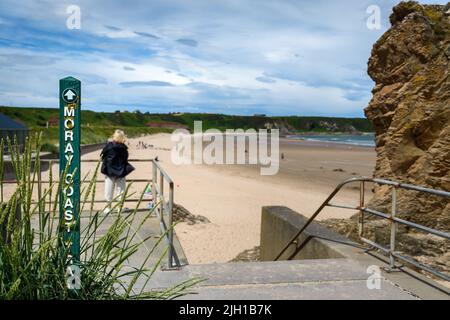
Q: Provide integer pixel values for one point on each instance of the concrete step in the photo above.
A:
(305, 279)
(149, 228)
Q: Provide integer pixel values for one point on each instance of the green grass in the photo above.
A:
(90, 134)
(98, 126)
(38, 117)
(34, 260)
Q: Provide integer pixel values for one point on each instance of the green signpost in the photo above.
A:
(69, 162)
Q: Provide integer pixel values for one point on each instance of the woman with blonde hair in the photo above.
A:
(115, 166)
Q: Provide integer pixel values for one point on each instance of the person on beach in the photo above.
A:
(115, 167)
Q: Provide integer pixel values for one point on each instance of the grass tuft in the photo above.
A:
(34, 260)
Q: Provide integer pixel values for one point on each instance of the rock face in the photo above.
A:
(410, 111)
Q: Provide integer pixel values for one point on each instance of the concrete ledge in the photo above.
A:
(9, 171)
(308, 279)
(280, 224)
(86, 148)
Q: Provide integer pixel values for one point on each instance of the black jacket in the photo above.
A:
(115, 160)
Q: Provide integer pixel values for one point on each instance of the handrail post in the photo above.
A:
(165, 207)
(393, 229)
(154, 175)
(361, 209)
(170, 214)
(161, 186)
(155, 192)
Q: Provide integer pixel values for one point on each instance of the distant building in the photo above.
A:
(167, 125)
(11, 128)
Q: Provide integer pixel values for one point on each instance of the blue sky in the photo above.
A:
(235, 56)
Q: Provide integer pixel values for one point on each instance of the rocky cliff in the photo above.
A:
(410, 110)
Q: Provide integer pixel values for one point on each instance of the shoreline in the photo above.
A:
(324, 144)
(331, 133)
(231, 196)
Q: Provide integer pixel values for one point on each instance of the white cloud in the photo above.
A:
(280, 57)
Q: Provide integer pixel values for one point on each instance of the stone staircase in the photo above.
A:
(326, 269)
(282, 280)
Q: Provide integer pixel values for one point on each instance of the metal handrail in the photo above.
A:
(39, 181)
(95, 160)
(82, 182)
(162, 207)
(393, 255)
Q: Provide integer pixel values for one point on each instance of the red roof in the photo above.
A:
(53, 121)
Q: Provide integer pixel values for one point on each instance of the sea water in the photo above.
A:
(366, 140)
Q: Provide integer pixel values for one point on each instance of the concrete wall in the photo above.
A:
(280, 224)
(83, 150)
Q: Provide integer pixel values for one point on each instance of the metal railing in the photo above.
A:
(163, 203)
(50, 162)
(164, 207)
(391, 217)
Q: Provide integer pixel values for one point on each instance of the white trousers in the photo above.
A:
(112, 183)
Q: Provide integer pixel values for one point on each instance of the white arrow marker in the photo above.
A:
(69, 95)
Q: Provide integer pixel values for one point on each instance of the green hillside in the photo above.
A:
(97, 126)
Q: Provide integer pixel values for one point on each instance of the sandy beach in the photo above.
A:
(231, 196)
